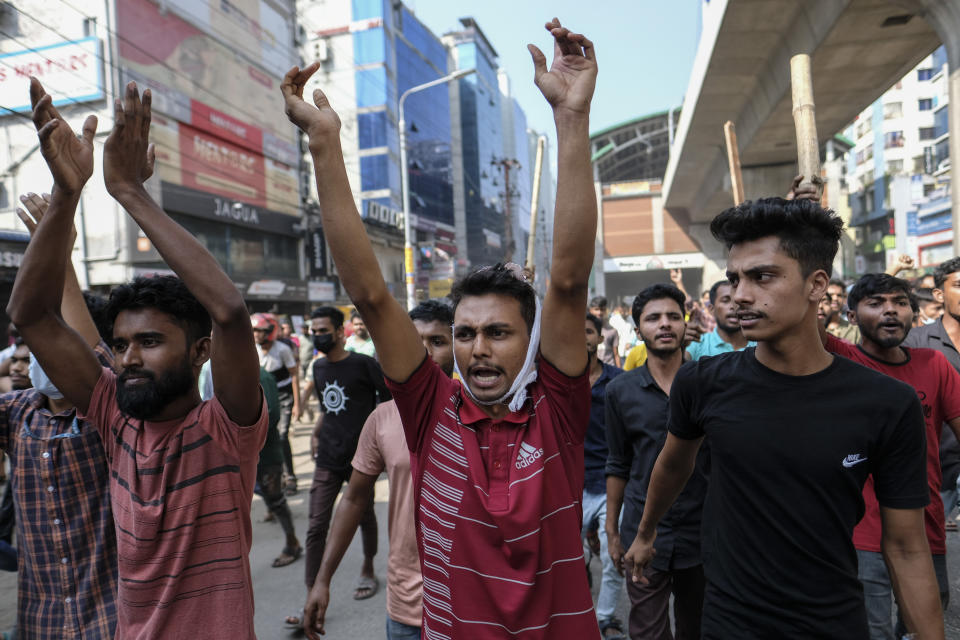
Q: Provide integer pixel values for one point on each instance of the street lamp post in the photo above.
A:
(409, 260)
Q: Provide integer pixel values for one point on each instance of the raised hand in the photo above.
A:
(128, 156)
(69, 157)
(319, 121)
(37, 206)
(573, 74)
(807, 192)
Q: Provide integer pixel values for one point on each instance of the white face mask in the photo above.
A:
(527, 375)
(41, 382)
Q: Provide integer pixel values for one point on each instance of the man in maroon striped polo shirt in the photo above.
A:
(497, 456)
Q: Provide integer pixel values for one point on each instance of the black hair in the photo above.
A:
(18, 341)
(597, 302)
(433, 311)
(97, 307)
(597, 322)
(838, 282)
(716, 287)
(355, 314)
(943, 270)
(656, 292)
(335, 315)
(874, 284)
(808, 233)
(167, 294)
(501, 280)
(924, 294)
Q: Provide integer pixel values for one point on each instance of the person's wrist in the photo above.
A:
(123, 190)
(571, 115)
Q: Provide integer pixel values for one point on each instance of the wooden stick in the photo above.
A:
(804, 119)
(733, 158)
(534, 204)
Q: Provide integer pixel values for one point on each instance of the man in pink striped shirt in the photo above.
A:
(497, 456)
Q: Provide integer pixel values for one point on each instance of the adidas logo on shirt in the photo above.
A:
(527, 455)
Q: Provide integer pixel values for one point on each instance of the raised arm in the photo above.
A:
(73, 308)
(398, 343)
(128, 160)
(568, 87)
(35, 303)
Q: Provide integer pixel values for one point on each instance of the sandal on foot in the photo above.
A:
(612, 624)
(287, 556)
(294, 621)
(366, 588)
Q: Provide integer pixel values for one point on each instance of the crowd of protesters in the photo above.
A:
(776, 458)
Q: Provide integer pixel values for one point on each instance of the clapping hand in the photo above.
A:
(128, 156)
(70, 157)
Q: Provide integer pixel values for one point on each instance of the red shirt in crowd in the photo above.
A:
(498, 508)
(938, 386)
(181, 493)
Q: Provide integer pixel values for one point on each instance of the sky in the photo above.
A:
(644, 48)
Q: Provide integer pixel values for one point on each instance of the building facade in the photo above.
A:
(899, 172)
(227, 162)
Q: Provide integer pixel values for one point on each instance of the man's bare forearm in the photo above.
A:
(38, 289)
(575, 216)
(914, 583)
(184, 254)
(615, 490)
(346, 236)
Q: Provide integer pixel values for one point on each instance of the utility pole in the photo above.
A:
(509, 245)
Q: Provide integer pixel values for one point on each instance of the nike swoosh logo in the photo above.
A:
(850, 461)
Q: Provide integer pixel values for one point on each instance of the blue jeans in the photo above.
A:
(400, 631)
(878, 593)
(595, 509)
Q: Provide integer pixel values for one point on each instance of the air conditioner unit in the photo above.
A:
(321, 50)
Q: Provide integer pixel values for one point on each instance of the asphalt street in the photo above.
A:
(279, 592)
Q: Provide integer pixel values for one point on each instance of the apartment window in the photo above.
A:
(892, 110)
(924, 74)
(925, 104)
(893, 139)
(895, 166)
(928, 133)
(864, 127)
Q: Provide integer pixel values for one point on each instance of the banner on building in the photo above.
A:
(70, 72)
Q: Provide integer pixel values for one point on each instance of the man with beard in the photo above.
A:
(349, 386)
(609, 349)
(182, 471)
(636, 417)
(280, 362)
(880, 306)
(594, 501)
(359, 341)
(382, 448)
(786, 484)
(60, 483)
(497, 455)
(726, 337)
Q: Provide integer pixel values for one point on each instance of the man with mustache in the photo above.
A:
(726, 336)
(182, 470)
(349, 386)
(880, 306)
(496, 456)
(637, 405)
(786, 483)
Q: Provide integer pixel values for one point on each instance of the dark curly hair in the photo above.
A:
(873, 284)
(656, 292)
(167, 294)
(335, 315)
(945, 269)
(498, 279)
(808, 233)
(433, 310)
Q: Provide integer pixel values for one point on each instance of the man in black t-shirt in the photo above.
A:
(785, 482)
(349, 386)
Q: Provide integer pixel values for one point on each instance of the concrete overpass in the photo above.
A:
(858, 49)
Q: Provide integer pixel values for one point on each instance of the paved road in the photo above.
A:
(282, 591)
